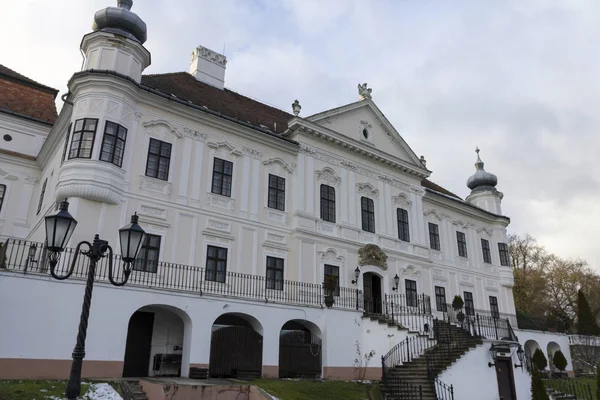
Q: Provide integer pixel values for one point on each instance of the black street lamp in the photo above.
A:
(355, 282)
(520, 355)
(59, 228)
(396, 282)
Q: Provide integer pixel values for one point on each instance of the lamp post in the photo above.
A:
(355, 282)
(59, 228)
(396, 283)
(520, 355)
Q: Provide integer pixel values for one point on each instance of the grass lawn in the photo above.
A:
(285, 389)
(36, 390)
(591, 382)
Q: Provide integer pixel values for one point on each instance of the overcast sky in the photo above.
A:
(518, 78)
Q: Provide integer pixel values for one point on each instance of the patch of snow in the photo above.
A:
(96, 391)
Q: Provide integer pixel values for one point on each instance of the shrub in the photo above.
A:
(457, 303)
(539, 360)
(559, 361)
(538, 390)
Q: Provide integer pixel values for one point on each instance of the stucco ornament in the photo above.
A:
(371, 254)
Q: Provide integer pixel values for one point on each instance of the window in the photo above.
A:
(216, 264)
(494, 307)
(440, 299)
(83, 138)
(485, 248)
(64, 153)
(332, 270)
(434, 236)
(222, 173)
(2, 193)
(368, 214)
(113, 143)
(159, 158)
(147, 259)
(469, 305)
(276, 192)
(274, 273)
(327, 203)
(504, 258)
(403, 232)
(462, 244)
(411, 293)
(42, 197)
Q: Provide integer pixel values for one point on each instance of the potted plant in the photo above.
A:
(457, 305)
(330, 285)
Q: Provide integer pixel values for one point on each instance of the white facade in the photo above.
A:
(352, 149)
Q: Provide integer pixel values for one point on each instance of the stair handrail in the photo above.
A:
(443, 391)
(406, 351)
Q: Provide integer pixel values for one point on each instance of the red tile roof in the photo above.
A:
(25, 97)
(185, 87)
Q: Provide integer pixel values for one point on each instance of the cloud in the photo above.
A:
(517, 78)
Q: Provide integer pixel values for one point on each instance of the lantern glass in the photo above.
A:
(32, 250)
(396, 280)
(131, 237)
(59, 228)
(520, 354)
(357, 272)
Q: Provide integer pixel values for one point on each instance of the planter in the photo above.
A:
(329, 301)
(460, 316)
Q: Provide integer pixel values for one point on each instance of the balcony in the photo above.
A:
(31, 258)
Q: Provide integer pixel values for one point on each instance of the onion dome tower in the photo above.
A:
(483, 189)
(116, 43)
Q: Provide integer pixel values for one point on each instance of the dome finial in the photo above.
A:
(126, 4)
(482, 179)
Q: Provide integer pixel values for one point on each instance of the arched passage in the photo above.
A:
(552, 348)
(155, 342)
(530, 347)
(300, 352)
(236, 347)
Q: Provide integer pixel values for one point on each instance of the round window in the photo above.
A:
(365, 133)
(8, 138)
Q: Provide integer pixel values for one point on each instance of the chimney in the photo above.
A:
(208, 66)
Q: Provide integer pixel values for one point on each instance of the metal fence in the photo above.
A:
(573, 387)
(32, 258)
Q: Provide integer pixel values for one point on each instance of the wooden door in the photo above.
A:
(506, 384)
(138, 345)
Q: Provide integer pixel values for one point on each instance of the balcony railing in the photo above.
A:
(32, 258)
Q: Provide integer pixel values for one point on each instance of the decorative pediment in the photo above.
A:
(328, 176)
(367, 189)
(8, 176)
(411, 270)
(225, 147)
(439, 275)
(371, 254)
(331, 255)
(466, 280)
(433, 213)
(161, 126)
(484, 230)
(288, 167)
(460, 223)
(402, 199)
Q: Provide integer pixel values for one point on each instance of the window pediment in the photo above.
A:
(289, 167)
(402, 199)
(367, 189)
(225, 147)
(328, 176)
(161, 128)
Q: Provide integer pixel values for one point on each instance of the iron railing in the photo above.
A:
(405, 390)
(411, 311)
(443, 391)
(573, 387)
(31, 258)
(482, 324)
(406, 351)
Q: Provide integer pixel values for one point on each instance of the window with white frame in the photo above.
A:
(403, 228)
(84, 135)
(504, 254)
(485, 249)
(276, 192)
(334, 271)
(216, 264)
(368, 214)
(147, 259)
(461, 241)
(222, 177)
(159, 159)
(327, 203)
(434, 236)
(274, 273)
(113, 144)
(2, 194)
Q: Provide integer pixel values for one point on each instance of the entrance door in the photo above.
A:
(506, 384)
(139, 342)
(372, 293)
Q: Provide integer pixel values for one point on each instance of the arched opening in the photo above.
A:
(300, 352)
(155, 342)
(372, 293)
(236, 347)
(530, 347)
(552, 348)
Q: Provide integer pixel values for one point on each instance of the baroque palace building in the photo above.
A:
(247, 210)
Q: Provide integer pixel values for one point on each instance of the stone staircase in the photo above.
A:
(133, 390)
(414, 379)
